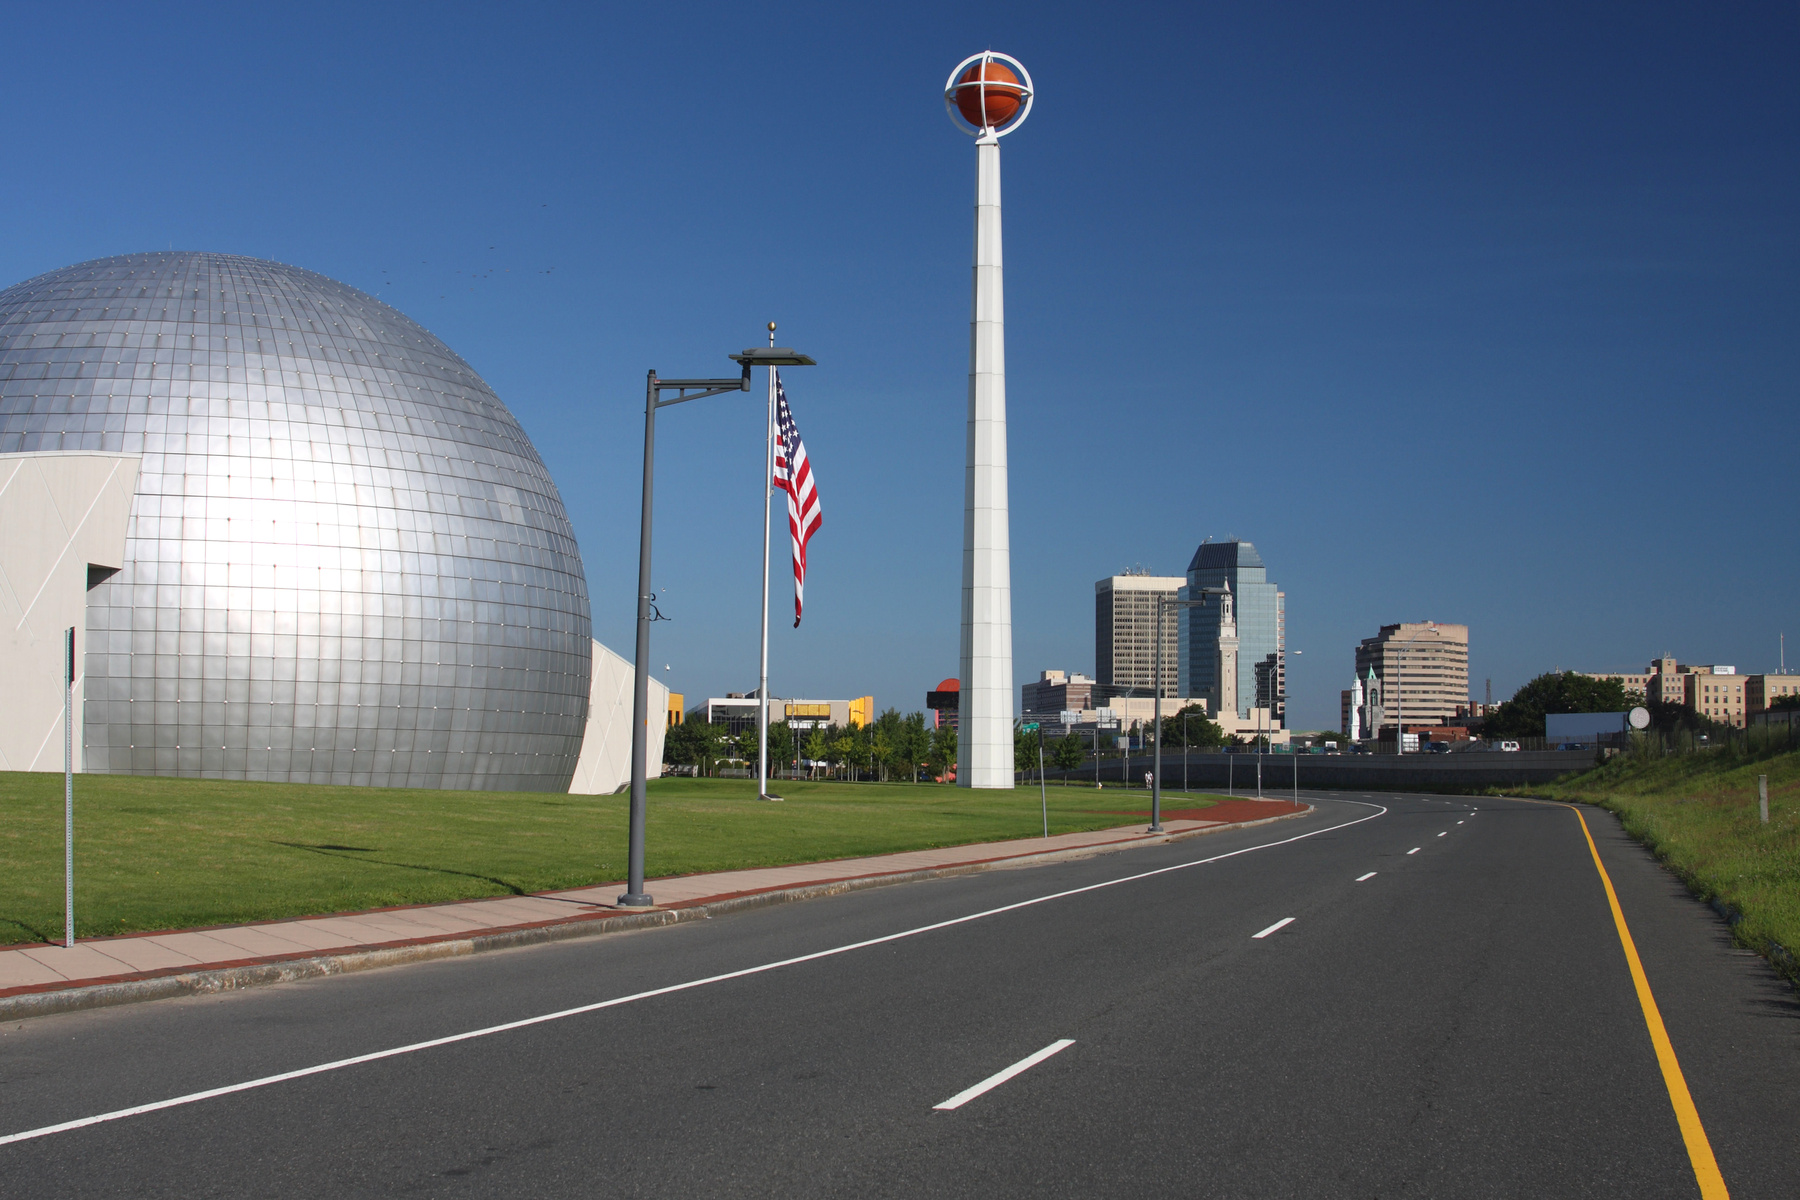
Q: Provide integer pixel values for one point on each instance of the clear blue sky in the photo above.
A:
(1486, 314)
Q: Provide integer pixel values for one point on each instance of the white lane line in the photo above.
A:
(1365, 878)
(1415, 849)
(993, 1081)
(376, 1056)
(1284, 922)
(1442, 834)
(1459, 822)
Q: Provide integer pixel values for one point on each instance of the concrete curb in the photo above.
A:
(231, 979)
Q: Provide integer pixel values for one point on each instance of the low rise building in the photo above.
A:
(1056, 691)
(1715, 691)
(1762, 691)
(737, 711)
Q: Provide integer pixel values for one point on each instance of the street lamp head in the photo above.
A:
(991, 92)
(772, 356)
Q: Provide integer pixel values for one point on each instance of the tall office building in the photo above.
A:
(1125, 635)
(1423, 670)
(1259, 608)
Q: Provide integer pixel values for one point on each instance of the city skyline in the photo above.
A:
(1506, 260)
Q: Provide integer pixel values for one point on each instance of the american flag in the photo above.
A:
(793, 475)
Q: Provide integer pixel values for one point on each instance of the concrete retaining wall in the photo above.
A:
(1348, 772)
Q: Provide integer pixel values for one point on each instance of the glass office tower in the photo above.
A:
(1260, 625)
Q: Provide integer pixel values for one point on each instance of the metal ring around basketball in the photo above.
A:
(951, 87)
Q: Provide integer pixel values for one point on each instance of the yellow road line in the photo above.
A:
(1706, 1168)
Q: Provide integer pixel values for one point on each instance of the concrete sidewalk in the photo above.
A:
(39, 979)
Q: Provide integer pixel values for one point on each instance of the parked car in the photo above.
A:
(1507, 746)
(1437, 747)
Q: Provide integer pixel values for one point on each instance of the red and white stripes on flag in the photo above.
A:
(793, 475)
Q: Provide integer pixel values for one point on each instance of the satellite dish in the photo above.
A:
(1639, 718)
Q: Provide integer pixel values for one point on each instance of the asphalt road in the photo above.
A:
(1462, 1023)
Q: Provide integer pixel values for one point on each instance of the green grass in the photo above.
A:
(1698, 813)
(170, 853)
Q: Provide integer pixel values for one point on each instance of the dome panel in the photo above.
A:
(345, 561)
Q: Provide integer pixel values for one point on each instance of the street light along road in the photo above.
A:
(685, 389)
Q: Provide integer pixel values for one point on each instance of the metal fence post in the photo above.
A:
(1762, 797)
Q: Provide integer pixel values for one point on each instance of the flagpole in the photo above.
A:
(762, 686)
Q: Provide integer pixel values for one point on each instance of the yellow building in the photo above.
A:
(675, 710)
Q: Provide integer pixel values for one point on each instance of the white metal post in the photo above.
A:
(1043, 788)
(69, 789)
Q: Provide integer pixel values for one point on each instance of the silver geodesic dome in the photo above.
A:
(345, 562)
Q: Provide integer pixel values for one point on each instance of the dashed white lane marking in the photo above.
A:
(1283, 923)
(1365, 878)
(993, 1081)
(1415, 849)
(1459, 822)
(1442, 834)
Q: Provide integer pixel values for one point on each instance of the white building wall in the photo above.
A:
(605, 763)
(59, 512)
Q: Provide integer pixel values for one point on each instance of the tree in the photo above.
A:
(695, 743)
(1025, 749)
(748, 743)
(1553, 692)
(817, 748)
(1668, 717)
(1070, 752)
(781, 745)
(1792, 701)
(1198, 729)
(943, 751)
(912, 745)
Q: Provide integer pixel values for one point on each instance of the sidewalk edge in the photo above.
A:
(228, 979)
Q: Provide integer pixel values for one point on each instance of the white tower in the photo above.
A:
(992, 93)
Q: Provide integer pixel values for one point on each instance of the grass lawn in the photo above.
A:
(168, 853)
(1698, 812)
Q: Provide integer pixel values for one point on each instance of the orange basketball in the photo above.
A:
(1003, 95)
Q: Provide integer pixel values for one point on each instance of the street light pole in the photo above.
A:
(634, 895)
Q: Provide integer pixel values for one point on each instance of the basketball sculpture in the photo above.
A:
(992, 92)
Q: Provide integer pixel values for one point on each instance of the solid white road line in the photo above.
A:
(509, 1026)
(1415, 849)
(1365, 878)
(1285, 921)
(993, 1081)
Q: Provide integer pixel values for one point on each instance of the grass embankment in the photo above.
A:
(169, 853)
(1698, 812)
